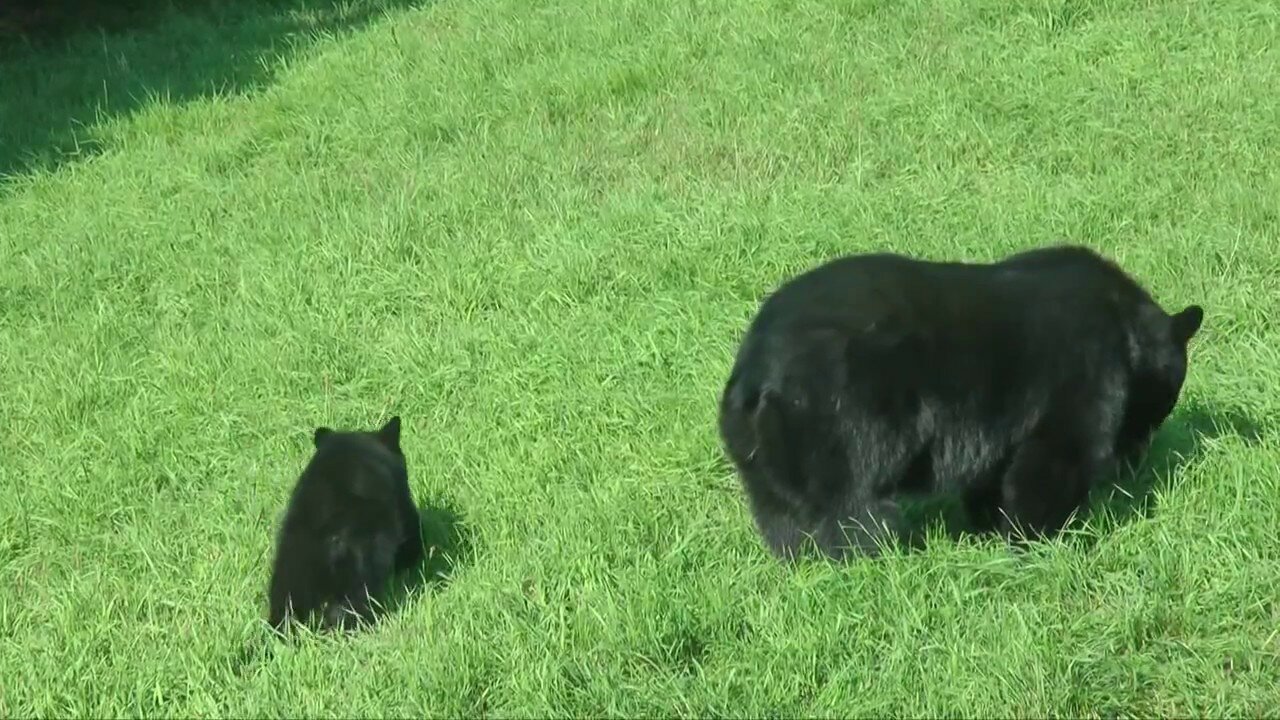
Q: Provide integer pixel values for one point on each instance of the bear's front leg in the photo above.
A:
(1049, 477)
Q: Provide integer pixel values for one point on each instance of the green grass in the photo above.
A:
(536, 231)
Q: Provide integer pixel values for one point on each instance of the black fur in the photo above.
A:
(1015, 383)
(350, 525)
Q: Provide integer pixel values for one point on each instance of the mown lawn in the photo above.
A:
(536, 231)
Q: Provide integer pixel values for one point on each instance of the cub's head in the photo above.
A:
(1159, 370)
(388, 436)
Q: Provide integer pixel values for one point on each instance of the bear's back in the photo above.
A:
(944, 327)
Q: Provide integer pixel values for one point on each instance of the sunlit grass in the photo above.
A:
(536, 232)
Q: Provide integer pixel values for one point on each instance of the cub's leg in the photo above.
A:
(361, 570)
(409, 554)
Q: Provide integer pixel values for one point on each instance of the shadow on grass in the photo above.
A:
(1133, 491)
(1129, 494)
(444, 544)
(68, 65)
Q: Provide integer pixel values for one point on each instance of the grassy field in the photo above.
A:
(536, 231)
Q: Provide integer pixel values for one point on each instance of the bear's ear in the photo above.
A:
(1186, 323)
(390, 433)
(321, 434)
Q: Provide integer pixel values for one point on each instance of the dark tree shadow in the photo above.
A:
(68, 65)
(1128, 494)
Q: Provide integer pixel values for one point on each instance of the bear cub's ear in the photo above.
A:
(390, 433)
(1186, 323)
(321, 434)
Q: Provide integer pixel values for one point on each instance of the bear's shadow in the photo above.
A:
(444, 545)
(1128, 494)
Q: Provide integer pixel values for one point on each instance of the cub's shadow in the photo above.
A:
(445, 545)
(1128, 494)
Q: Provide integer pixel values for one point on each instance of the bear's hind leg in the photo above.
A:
(869, 528)
(982, 507)
(865, 532)
(783, 534)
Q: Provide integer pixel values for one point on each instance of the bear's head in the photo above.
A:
(388, 436)
(1159, 370)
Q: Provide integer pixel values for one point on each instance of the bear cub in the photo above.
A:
(350, 526)
(1015, 383)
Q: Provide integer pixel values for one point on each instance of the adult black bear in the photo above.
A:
(350, 525)
(1015, 382)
